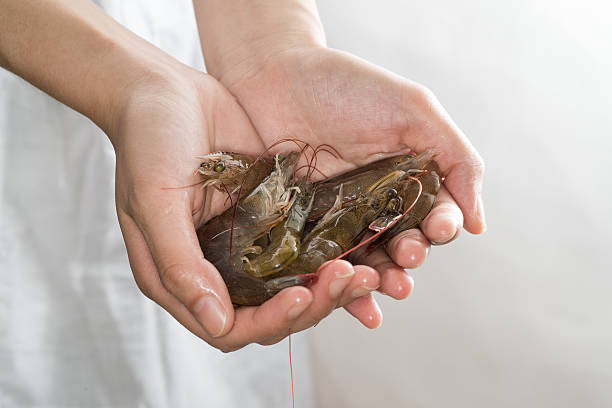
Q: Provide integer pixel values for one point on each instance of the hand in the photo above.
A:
(159, 115)
(165, 125)
(320, 95)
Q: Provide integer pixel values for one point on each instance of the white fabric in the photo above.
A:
(74, 329)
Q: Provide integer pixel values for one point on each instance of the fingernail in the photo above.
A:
(361, 291)
(340, 282)
(211, 314)
(446, 236)
(379, 313)
(298, 308)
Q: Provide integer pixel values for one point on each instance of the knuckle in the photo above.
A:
(424, 92)
(135, 199)
(424, 96)
(228, 348)
(271, 341)
(313, 321)
(173, 276)
(145, 288)
(477, 166)
(141, 203)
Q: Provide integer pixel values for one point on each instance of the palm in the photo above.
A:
(159, 204)
(206, 119)
(325, 96)
(357, 109)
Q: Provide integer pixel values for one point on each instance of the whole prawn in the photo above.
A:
(358, 180)
(229, 239)
(231, 172)
(337, 232)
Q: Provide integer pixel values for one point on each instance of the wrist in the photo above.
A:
(260, 31)
(129, 76)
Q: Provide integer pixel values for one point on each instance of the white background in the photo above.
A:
(521, 316)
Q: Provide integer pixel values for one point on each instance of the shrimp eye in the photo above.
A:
(391, 193)
(219, 167)
(280, 157)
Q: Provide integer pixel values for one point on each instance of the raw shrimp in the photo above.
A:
(228, 238)
(230, 172)
(265, 228)
(284, 240)
(338, 230)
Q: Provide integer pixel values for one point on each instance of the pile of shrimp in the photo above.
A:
(282, 226)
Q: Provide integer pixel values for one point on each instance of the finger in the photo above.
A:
(444, 221)
(458, 159)
(339, 283)
(464, 171)
(148, 280)
(409, 248)
(394, 280)
(268, 323)
(365, 281)
(167, 226)
(464, 182)
(366, 310)
(334, 278)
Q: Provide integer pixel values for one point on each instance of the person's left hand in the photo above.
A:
(319, 95)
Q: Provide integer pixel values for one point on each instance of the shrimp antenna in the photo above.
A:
(302, 152)
(310, 163)
(229, 195)
(325, 147)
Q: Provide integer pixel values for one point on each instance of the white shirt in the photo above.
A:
(74, 329)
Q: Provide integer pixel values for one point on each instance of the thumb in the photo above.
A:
(464, 181)
(179, 265)
(458, 160)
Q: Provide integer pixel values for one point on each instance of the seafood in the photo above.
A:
(421, 196)
(356, 181)
(284, 239)
(229, 172)
(257, 246)
(227, 239)
(340, 227)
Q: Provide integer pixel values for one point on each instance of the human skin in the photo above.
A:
(275, 61)
(160, 115)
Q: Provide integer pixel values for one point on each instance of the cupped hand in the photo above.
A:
(320, 95)
(166, 123)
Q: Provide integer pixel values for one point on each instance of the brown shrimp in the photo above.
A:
(255, 271)
(284, 239)
(238, 228)
(230, 172)
(421, 166)
(356, 181)
(415, 201)
(338, 230)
